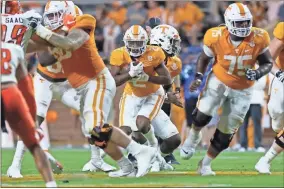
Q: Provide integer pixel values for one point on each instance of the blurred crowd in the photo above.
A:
(191, 19)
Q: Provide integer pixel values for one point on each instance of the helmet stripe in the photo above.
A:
(241, 8)
(47, 5)
(135, 30)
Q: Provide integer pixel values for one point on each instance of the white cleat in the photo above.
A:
(263, 166)
(205, 170)
(155, 167)
(145, 158)
(160, 164)
(14, 172)
(186, 154)
(123, 173)
(98, 165)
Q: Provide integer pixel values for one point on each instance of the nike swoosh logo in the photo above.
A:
(68, 22)
(184, 151)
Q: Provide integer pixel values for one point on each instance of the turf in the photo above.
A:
(233, 170)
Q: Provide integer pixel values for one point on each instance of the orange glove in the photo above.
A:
(69, 21)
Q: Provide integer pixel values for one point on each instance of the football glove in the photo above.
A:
(253, 75)
(135, 70)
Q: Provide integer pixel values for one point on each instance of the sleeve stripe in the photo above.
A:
(208, 51)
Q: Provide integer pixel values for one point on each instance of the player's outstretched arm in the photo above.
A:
(74, 40)
(265, 62)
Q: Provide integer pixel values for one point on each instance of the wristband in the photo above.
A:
(43, 32)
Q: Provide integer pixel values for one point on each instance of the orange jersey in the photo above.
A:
(53, 72)
(231, 62)
(85, 63)
(279, 34)
(153, 57)
(174, 66)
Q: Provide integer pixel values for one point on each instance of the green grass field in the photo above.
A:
(233, 170)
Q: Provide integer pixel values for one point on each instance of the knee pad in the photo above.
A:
(101, 135)
(221, 141)
(200, 119)
(279, 139)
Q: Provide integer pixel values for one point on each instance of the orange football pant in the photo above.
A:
(17, 114)
(26, 86)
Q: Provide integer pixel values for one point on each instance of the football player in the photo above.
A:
(143, 94)
(15, 28)
(166, 37)
(276, 102)
(235, 48)
(14, 108)
(87, 73)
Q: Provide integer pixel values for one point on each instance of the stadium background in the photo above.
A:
(192, 19)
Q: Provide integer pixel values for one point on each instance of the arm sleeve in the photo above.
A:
(116, 58)
(265, 41)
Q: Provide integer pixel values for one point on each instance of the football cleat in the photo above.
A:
(186, 154)
(123, 173)
(98, 165)
(263, 166)
(145, 158)
(14, 172)
(205, 170)
(170, 159)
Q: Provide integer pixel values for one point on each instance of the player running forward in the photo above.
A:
(167, 37)
(15, 29)
(15, 108)
(87, 73)
(236, 48)
(276, 102)
(143, 94)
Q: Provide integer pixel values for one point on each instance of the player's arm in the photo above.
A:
(163, 77)
(119, 75)
(265, 62)
(74, 40)
(275, 47)
(202, 63)
(45, 58)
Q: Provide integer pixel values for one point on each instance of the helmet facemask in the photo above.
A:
(135, 47)
(239, 28)
(53, 19)
(175, 46)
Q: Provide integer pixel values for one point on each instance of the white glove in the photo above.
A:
(32, 14)
(135, 70)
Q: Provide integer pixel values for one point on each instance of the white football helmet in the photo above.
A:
(167, 37)
(55, 11)
(135, 40)
(238, 19)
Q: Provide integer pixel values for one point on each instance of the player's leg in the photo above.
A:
(234, 111)
(150, 108)
(209, 101)
(167, 131)
(20, 120)
(276, 112)
(96, 99)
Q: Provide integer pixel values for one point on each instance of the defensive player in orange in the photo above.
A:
(15, 110)
(235, 48)
(276, 101)
(86, 72)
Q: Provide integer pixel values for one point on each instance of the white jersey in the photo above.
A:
(11, 56)
(15, 28)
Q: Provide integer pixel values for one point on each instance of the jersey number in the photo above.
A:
(240, 63)
(139, 85)
(5, 62)
(17, 34)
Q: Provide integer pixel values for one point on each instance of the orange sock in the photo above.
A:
(27, 88)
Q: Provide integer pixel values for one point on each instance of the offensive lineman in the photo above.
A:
(236, 48)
